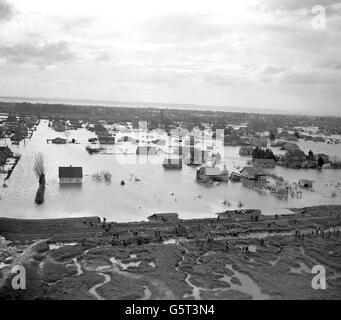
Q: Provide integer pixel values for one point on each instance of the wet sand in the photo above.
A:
(79, 259)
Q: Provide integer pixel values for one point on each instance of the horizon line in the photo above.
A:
(158, 105)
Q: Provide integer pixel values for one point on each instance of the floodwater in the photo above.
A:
(157, 189)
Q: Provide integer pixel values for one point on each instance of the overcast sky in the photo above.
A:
(251, 53)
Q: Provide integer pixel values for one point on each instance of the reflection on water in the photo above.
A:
(148, 187)
(69, 186)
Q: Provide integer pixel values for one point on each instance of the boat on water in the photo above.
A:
(93, 149)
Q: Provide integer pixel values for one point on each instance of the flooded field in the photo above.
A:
(154, 190)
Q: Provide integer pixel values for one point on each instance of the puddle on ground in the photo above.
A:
(125, 266)
(175, 241)
(78, 266)
(147, 293)
(247, 286)
(302, 268)
(208, 253)
(266, 234)
(195, 290)
(3, 265)
(58, 245)
(93, 291)
(274, 262)
(169, 241)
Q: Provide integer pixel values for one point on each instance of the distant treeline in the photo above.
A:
(165, 117)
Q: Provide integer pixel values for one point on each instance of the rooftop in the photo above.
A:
(214, 171)
(253, 171)
(70, 172)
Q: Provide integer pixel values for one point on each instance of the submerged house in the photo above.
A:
(205, 174)
(255, 174)
(58, 126)
(172, 163)
(289, 146)
(259, 141)
(103, 139)
(233, 140)
(59, 140)
(305, 183)
(164, 217)
(240, 215)
(324, 157)
(236, 176)
(69, 175)
(268, 163)
(246, 150)
(319, 139)
(146, 150)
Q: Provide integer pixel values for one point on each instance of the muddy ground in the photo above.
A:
(192, 259)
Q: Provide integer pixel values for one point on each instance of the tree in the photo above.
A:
(320, 162)
(227, 131)
(311, 155)
(39, 167)
(39, 170)
(259, 153)
(272, 136)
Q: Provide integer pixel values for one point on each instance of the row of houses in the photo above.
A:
(205, 174)
(146, 150)
(18, 128)
(237, 140)
(58, 126)
(5, 153)
(240, 215)
(257, 162)
(228, 215)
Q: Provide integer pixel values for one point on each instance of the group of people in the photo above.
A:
(317, 232)
(245, 249)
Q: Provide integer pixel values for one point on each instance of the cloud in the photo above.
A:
(312, 76)
(6, 10)
(293, 5)
(334, 65)
(334, 9)
(41, 54)
(77, 23)
(172, 51)
(226, 79)
(182, 28)
(273, 70)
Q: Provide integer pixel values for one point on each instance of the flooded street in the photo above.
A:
(158, 190)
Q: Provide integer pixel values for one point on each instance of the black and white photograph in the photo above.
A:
(184, 150)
